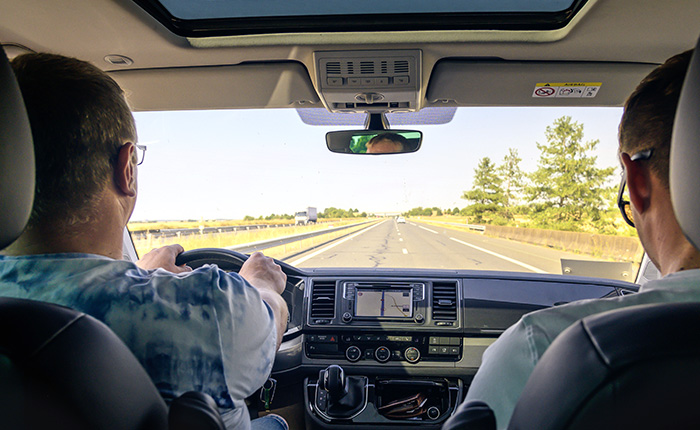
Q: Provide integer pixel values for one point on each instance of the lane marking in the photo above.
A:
(405, 251)
(333, 245)
(401, 239)
(495, 254)
(427, 229)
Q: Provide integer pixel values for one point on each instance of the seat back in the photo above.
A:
(63, 369)
(636, 367)
(684, 161)
(16, 158)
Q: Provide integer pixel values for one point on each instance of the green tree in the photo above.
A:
(513, 180)
(486, 193)
(567, 186)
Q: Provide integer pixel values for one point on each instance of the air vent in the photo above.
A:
(444, 301)
(323, 300)
(384, 67)
(366, 67)
(351, 68)
(401, 67)
(333, 68)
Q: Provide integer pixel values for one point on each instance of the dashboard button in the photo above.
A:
(382, 354)
(444, 350)
(412, 354)
(454, 341)
(433, 350)
(445, 341)
(353, 353)
(434, 340)
(347, 317)
(454, 350)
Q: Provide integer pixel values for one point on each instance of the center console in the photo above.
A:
(380, 347)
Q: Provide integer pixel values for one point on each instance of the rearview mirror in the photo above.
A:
(374, 141)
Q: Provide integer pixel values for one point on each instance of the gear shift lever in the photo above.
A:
(338, 396)
(334, 382)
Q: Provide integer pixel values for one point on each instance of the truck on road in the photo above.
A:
(306, 217)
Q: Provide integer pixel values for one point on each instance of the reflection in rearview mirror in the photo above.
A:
(374, 141)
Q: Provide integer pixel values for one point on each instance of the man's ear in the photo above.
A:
(638, 183)
(125, 170)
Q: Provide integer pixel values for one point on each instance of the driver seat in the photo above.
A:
(59, 368)
(636, 367)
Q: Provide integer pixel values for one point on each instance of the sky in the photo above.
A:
(226, 164)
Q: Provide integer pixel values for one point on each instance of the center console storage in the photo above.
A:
(381, 403)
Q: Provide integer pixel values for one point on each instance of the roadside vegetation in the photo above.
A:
(567, 191)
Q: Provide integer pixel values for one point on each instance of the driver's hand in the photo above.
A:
(263, 273)
(164, 258)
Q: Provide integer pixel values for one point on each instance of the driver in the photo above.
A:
(386, 143)
(203, 330)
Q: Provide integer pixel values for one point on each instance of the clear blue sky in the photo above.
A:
(228, 164)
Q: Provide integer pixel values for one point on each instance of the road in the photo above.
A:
(418, 245)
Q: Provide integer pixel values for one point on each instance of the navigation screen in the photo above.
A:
(383, 303)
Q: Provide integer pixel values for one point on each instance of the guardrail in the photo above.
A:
(264, 244)
(172, 232)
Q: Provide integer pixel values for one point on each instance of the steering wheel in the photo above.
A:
(230, 261)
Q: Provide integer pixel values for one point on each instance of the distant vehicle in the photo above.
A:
(401, 220)
(306, 217)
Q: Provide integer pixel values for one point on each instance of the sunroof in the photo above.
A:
(199, 18)
(217, 9)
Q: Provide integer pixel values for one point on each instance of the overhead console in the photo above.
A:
(369, 81)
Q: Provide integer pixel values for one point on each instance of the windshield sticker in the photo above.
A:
(566, 89)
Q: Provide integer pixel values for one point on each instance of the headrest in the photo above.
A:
(16, 158)
(684, 167)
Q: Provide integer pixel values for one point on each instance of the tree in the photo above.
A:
(567, 186)
(486, 193)
(513, 180)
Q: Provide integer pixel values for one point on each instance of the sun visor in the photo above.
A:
(506, 83)
(254, 85)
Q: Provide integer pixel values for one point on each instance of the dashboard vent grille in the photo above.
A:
(366, 67)
(401, 67)
(333, 68)
(444, 301)
(323, 300)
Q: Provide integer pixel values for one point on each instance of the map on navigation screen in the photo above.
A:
(383, 303)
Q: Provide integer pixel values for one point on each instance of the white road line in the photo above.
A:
(495, 254)
(401, 239)
(405, 251)
(314, 254)
(427, 229)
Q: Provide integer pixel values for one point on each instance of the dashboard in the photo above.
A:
(404, 344)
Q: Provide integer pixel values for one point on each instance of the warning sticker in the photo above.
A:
(566, 89)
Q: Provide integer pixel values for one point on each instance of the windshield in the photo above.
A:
(516, 189)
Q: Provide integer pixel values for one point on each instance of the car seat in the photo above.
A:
(59, 368)
(637, 367)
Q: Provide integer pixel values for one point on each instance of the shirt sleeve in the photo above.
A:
(247, 334)
(505, 368)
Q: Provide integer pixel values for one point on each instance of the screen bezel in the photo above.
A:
(359, 289)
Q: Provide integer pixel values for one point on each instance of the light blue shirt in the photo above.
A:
(204, 330)
(508, 362)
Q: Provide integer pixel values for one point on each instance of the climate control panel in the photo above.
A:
(383, 348)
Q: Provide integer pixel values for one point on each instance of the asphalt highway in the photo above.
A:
(419, 245)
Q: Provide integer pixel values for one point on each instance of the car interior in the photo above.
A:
(343, 363)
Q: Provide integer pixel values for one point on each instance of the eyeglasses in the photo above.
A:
(622, 203)
(140, 154)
